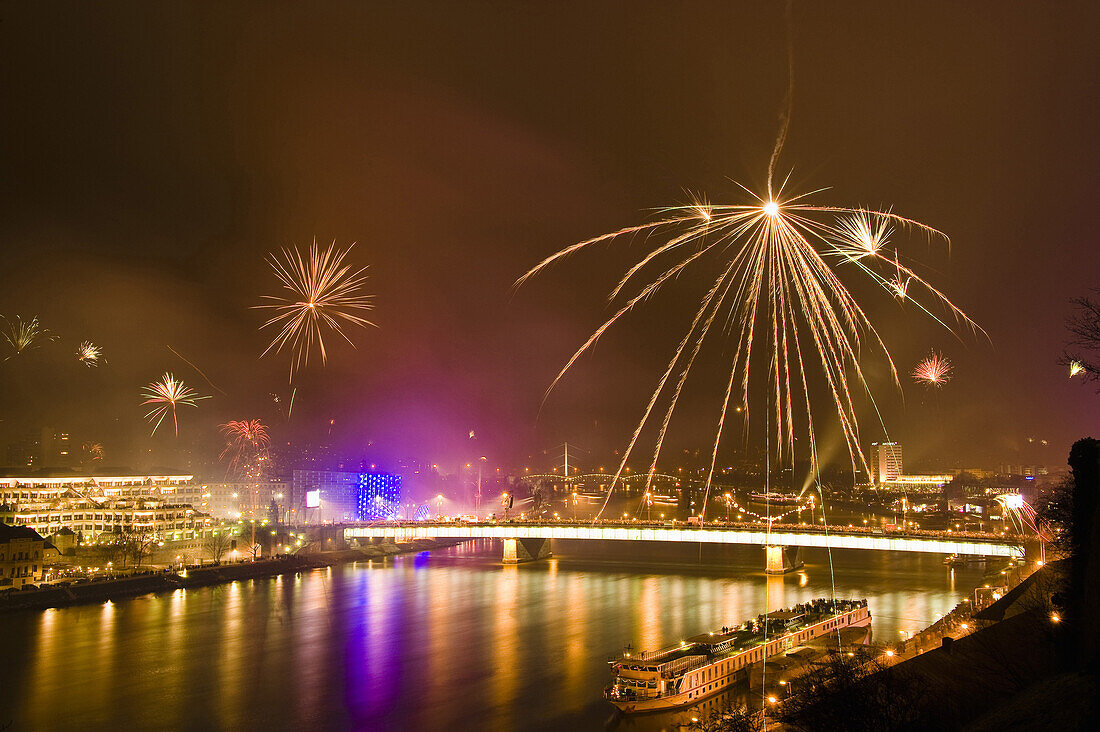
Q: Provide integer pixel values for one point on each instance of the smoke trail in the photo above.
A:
(785, 117)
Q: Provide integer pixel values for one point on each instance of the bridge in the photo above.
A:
(524, 541)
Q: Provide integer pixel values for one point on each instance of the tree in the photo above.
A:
(218, 543)
(730, 719)
(136, 544)
(852, 692)
(1083, 348)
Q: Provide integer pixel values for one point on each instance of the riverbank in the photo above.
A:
(153, 581)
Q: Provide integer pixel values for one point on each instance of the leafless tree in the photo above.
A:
(852, 692)
(136, 544)
(1083, 347)
(218, 543)
(731, 719)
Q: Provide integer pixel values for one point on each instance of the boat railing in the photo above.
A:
(683, 665)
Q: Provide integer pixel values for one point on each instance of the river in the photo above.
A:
(450, 640)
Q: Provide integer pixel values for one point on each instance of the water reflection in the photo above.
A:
(451, 640)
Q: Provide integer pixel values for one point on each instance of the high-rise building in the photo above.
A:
(885, 461)
(46, 447)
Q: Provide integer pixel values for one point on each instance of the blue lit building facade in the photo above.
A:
(378, 497)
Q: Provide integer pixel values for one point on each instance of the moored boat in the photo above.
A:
(681, 675)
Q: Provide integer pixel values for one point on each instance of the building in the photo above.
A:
(39, 448)
(245, 500)
(916, 483)
(23, 556)
(378, 497)
(46, 485)
(112, 502)
(885, 461)
(323, 496)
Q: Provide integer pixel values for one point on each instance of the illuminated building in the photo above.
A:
(93, 504)
(23, 555)
(335, 493)
(885, 461)
(378, 497)
(244, 499)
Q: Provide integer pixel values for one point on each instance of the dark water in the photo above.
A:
(448, 641)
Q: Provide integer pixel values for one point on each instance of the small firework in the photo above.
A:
(1076, 367)
(247, 441)
(862, 234)
(323, 294)
(94, 450)
(164, 396)
(88, 354)
(934, 371)
(25, 335)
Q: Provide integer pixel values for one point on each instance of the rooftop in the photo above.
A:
(8, 532)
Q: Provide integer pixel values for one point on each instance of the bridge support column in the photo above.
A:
(526, 550)
(783, 559)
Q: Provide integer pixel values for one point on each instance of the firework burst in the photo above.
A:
(1075, 368)
(774, 293)
(322, 295)
(247, 441)
(164, 396)
(89, 354)
(934, 371)
(25, 335)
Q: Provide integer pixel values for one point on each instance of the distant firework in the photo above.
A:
(164, 396)
(1076, 367)
(24, 335)
(934, 371)
(93, 450)
(247, 441)
(861, 234)
(88, 354)
(322, 294)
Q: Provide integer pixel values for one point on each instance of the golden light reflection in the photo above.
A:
(231, 680)
(505, 638)
(577, 653)
(777, 592)
(650, 612)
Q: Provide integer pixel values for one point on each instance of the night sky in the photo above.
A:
(154, 153)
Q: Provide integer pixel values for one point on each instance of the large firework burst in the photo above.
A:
(88, 353)
(777, 294)
(164, 396)
(322, 295)
(247, 441)
(25, 335)
(934, 371)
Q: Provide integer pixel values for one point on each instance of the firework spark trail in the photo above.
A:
(934, 371)
(1075, 367)
(24, 335)
(776, 272)
(246, 438)
(324, 295)
(164, 396)
(89, 354)
(200, 372)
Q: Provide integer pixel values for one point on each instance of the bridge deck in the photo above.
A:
(786, 537)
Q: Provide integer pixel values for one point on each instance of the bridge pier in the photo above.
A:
(526, 550)
(783, 559)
